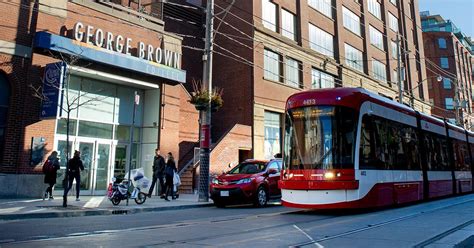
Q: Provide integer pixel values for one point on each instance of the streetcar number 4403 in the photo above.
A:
(309, 101)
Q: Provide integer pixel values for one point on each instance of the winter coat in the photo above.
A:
(170, 168)
(158, 166)
(75, 166)
(50, 177)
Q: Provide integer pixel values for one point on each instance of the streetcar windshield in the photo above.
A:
(320, 137)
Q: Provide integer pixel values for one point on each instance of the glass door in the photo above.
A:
(87, 150)
(63, 157)
(101, 168)
(120, 161)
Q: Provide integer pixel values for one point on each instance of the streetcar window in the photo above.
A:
(461, 155)
(320, 137)
(386, 144)
(436, 152)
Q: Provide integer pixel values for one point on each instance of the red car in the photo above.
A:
(252, 181)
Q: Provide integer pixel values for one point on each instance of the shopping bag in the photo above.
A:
(176, 179)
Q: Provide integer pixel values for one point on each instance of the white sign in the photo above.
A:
(118, 43)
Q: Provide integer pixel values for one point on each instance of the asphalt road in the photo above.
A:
(436, 223)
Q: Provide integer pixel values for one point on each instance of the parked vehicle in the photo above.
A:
(252, 181)
(120, 191)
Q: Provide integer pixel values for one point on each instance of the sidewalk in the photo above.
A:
(90, 205)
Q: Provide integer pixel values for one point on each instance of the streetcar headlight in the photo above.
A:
(329, 175)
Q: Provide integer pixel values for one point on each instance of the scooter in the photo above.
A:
(119, 191)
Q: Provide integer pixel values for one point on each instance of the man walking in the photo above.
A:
(75, 168)
(158, 173)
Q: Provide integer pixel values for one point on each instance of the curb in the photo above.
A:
(80, 213)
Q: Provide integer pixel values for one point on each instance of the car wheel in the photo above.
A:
(219, 204)
(261, 198)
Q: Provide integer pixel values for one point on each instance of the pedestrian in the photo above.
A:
(169, 173)
(158, 173)
(74, 172)
(50, 168)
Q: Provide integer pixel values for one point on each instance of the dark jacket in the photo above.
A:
(75, 166)
(50, 178)
(158, 166)
(170, 168)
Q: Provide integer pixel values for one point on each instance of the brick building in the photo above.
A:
(92, 56)
(264, 51)
(451, 54)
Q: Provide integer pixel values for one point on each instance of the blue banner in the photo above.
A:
(52, 83)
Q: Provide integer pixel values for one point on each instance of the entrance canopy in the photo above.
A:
(48, 41)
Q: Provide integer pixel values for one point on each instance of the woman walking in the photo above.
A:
(50, 169)
(169, 174)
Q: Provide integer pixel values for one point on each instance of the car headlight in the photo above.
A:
(215, 181)
(245, 180)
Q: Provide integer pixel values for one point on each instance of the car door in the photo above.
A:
(273, 179)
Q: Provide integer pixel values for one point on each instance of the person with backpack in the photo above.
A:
(75, 168)
(50, 168)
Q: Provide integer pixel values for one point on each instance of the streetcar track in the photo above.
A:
(373, 226)
(443, 234)
(239, 232)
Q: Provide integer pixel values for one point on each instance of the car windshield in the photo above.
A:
(248, 168)
(320, 137)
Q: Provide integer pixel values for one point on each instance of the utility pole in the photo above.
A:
(457, 103)
(205, 139)
(136, 101)
(399, 70)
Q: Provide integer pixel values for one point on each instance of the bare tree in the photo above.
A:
(72, 101)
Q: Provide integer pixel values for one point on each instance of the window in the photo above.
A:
(292, 73)
(288, 28)
(449, 103)
(388, 145)
(321, 80)
(374, 8)
(442, 43)
(379, 70)
(321, 41)
(354, 58)
(393, 22)
(4, 102)
(323, 6)
(271, 65)
(395, 76)
(444, 63)
(351, 21)
(269, 15)
(393, 45)
(394, 2)
(376, 38)
(436, 152)
(272, 139)
(446, 83)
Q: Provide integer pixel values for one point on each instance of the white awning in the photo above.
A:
(107, 77)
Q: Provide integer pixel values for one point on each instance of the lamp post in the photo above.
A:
(438, 79)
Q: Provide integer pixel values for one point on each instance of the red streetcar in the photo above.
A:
(349, 148)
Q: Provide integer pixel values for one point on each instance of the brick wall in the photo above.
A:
(226, 150)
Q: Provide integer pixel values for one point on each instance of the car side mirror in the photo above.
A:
(272, 171)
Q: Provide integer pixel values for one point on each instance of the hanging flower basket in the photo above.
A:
(201, 97)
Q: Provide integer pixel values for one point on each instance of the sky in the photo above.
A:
(461, 12)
